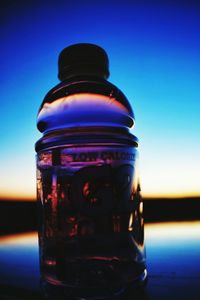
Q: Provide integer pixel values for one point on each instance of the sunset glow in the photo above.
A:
(154, 53)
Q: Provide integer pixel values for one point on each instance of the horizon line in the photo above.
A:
(170, 197)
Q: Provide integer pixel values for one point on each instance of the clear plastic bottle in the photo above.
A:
(91, 233)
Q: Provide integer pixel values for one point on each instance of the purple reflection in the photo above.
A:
(19, 261)
(173, 260)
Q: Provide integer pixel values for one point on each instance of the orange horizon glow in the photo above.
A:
(32, 198)
(17, 198)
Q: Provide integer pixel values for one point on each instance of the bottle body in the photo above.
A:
(91, 234)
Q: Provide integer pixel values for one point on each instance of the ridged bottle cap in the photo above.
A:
(79, 59)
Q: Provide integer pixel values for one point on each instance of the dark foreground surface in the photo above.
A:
(173, 262)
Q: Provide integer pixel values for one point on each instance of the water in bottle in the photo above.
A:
(91, 231)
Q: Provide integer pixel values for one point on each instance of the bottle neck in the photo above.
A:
(83, 74)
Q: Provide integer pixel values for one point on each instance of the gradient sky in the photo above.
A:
(154, 52)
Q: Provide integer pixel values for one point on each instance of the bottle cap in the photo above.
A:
(79, 59)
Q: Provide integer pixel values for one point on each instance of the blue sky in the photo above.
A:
(154, 52)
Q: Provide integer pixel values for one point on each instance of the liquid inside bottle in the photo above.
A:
(91, 233)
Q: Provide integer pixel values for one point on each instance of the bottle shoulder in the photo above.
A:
(80, 85)
(84, 102)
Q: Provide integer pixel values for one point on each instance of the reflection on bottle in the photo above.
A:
(93, 215)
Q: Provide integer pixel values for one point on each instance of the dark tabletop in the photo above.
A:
(173, 263)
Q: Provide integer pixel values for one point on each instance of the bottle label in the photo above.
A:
(90, 180)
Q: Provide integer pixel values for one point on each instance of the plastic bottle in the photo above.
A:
(91, 234)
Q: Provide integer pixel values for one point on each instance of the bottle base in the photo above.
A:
(63, 292)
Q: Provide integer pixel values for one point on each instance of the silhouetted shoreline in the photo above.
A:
(21, 216)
